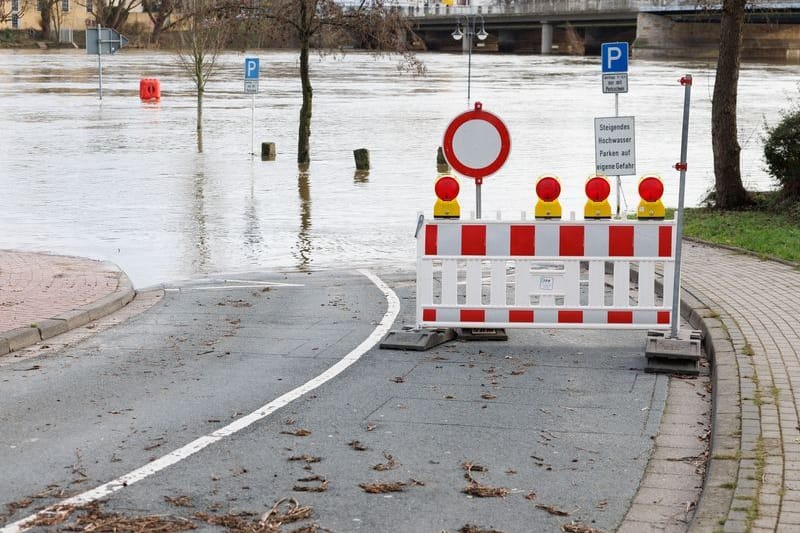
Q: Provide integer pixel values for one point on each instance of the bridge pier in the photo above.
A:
(547, 38)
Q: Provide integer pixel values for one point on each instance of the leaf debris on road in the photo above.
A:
(382, 488)
(357, 445)
(552, 509)
(577, 527)
(306, 457)
(388, 465)
(321, 487)
(300, 432)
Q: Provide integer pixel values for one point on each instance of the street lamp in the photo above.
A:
(469, 29)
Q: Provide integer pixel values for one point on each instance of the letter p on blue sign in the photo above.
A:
(251, 68)
(614, 57)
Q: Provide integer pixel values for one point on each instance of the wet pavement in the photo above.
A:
(558, 421)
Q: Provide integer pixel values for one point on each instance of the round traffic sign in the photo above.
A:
(476, 143)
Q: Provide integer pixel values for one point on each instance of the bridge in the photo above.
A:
(655, 28)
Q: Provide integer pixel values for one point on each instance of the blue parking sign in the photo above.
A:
(251, 68)
(614, 57)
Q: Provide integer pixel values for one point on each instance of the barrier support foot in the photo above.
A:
(482, 334)
(417, 339)
(673, 355)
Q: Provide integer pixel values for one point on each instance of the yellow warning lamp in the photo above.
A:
(650, 207)
(446, 205)
(548, 190)
(597, 190)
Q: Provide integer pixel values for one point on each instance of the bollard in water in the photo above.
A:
(268, 151)
(441, 163)
(362, 158)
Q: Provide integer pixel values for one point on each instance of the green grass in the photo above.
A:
(765, 233)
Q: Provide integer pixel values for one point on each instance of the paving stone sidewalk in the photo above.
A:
(753, 317)
(44, 295)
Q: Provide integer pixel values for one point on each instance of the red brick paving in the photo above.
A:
(35, 286)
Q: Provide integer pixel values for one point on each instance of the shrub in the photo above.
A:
(782, 154)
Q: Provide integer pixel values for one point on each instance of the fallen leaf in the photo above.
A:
(552, 509)
(298, 432)
(306, 458)
(380, 488)
(388, 465)
(577, 527)
(485, 491)
(321, 487)
(357, 445)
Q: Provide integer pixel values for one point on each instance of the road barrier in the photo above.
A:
(544, 274)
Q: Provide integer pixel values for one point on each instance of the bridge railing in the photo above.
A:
(423, 8)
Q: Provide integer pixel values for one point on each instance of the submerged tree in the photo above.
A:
(200, 46)
(729, 190)
(326, 25)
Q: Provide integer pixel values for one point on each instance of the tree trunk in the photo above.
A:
(46, 20)
(730, 193)
(200, 120)
(304, 133)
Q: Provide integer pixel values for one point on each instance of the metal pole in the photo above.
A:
(253, 126)
(619, 179)
(478, 182)
(686, 81)
(99, 64)
(469, 58)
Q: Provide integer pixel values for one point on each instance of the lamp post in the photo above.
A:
(469, 29)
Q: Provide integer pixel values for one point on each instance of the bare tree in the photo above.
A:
(729, 190)
(200, 46)
(164, 15)
(112, 13)
(10, 8)
(326, 25)
(51, 17)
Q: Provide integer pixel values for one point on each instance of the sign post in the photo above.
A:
(614, 60)
(476, 144)
(251, 66)
(103, 41)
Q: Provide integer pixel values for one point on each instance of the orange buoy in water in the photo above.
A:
(149, 89)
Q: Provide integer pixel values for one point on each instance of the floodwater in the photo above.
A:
(121, 180)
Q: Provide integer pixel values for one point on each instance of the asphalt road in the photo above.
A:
(556, 421)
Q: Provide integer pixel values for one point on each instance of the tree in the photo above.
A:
(112, 13)
(51, 17)
(325, 25)
(729, 191)
(10, 8)
(162, 14)
(200, 45)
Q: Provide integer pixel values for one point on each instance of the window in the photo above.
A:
(14, 6)
(15, 21)
(89, 6)
(39, 5)
(65, 6)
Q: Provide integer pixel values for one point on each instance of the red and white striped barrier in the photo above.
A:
(544, 274)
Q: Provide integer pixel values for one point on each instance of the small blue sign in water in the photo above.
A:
(614, 57)
(251, 68)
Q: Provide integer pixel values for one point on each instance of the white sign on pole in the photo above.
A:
(615, 83)
(251, 86)
(614, 140)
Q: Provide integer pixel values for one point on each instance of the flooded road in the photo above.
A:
(121, 180)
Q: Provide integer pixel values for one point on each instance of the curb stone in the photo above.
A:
(19, 338)
(721, 484)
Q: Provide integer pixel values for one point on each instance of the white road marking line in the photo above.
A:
(200, 443)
